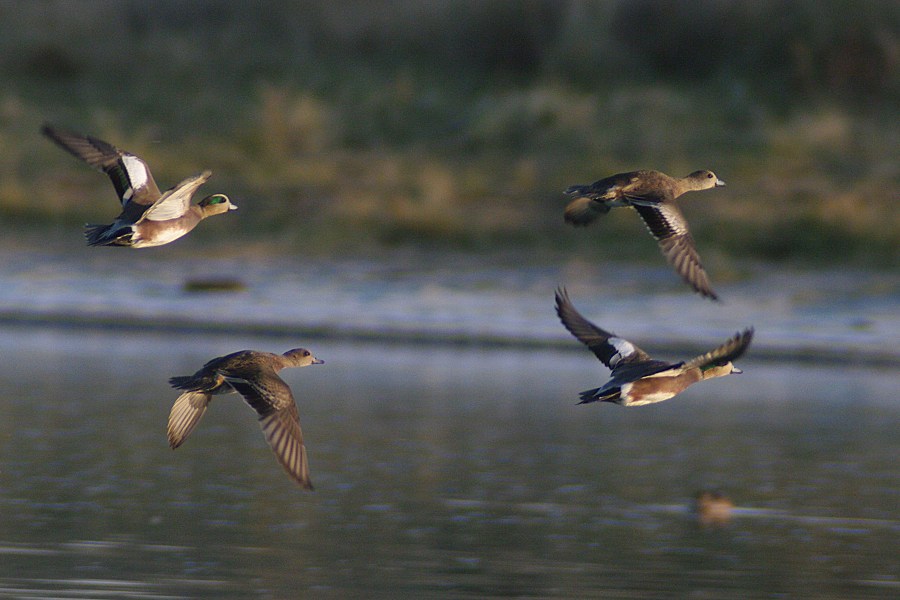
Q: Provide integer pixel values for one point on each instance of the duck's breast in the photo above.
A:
(157, 233)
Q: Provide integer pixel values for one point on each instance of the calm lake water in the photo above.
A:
(449, 471)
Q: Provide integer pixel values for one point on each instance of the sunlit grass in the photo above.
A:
(368, 150)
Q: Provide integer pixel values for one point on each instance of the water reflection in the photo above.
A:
(440, 472)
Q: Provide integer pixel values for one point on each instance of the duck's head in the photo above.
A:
(216, 204)
(704, 180)
(301, 357)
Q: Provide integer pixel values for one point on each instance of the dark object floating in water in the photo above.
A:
(224, 284)
(713, 509)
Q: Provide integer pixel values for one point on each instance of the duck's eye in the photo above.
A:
(709, 175)
(306, 353)
(217, 199)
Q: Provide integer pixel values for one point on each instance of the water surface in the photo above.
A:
(440, 472)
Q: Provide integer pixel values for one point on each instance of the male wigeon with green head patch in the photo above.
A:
(149, 217)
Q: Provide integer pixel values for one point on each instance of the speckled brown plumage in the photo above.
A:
(254, 375)
(652, 194)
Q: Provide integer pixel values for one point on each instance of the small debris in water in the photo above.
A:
(224, 284)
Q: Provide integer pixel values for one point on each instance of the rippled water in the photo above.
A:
(440, 472)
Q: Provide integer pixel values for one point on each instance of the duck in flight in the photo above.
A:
(652, 194)
(149, 217)
(254, 375)
(636, 378)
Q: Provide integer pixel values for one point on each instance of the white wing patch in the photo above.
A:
(624, 349)
(137, 172)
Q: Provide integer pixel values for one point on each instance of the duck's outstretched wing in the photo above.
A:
(272, 399)
(282, 431)
(174, 203)
(129, 174)
(727, 352)
(611, 350)
(669, 227)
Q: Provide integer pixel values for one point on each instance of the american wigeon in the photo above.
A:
(637, 379)
(254, 375)
(652, 194)
(148, 217)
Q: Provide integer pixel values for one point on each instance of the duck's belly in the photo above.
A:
(632, 397)
(159, 235)
(656, 388)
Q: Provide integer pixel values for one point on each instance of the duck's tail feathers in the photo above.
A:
(595, 395)
(95, 234)
(104, 235)
(186, 382)
(577, 190)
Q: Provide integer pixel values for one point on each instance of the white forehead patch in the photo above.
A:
(624, 349)
(137, 172)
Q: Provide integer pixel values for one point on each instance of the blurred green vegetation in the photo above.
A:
(357, 125)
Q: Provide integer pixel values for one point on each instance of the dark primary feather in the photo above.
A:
(95, 152)
(107, 158)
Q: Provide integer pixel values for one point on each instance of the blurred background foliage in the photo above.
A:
(360, 125)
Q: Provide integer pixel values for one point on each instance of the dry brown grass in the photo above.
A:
(352, 138)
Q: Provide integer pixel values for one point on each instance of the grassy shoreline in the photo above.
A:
(353, 139)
